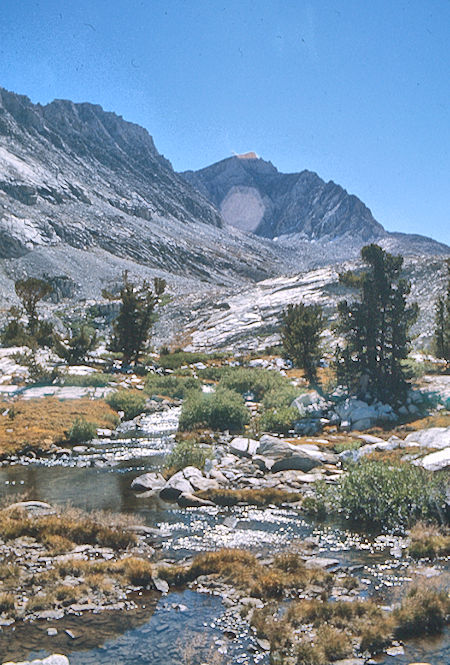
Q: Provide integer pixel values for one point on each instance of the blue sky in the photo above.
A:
(357, 91)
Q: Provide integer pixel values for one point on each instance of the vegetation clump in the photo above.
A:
(131, 329)
(441, 338)
(81, 342)
(245, 572)
(424, 611)
(391, 495)
(73, 525)
(39, 423)
(301, 327)
(281, 396)
(256, 497)
(280, 419)
(33, 332)
(252, 380)
(222, 410)
(428, 541)
(375, 328)
(131, 402)
(170, 385)
(187, 453)
(82, 430)
(94, 380)
(181, 358)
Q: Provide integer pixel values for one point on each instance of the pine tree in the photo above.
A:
(376, 328)
(442, 323)
(301, 326)
(132, 326)
(30, 291)
(80, 343)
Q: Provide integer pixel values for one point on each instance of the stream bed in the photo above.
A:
(167, 629)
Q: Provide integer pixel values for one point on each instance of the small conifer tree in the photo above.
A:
(132, 326)
(376, 328)
(442, 323)
(301, 326)
(30, 291)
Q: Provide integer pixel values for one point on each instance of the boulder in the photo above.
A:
(201, 483)
(189, 500)
(148, 481)
(309, 399)
(436, 461)
(271, 446)
(433, 437)
(287, 456)
(295, 461)
(263, 463)
(175, 486)
(244, 447)
(55, 659)
(218, 476)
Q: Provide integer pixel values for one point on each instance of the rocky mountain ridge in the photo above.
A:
(85, 195)
(291, 208)
(81, 187)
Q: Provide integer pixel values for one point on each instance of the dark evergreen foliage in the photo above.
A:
(442, 323)
(81, 342)
(131, 328)
(301, 326)
(376, 329)
(30, 291)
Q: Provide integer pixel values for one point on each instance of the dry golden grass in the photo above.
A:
(424, 610)
(428, 541)
(37, 423)
(63, 530)
(261, 497)
(438, 420)
(334, 625)
(242, 569)
(59, 533)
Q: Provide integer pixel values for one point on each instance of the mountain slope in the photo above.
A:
(297, 208)
(74, 177)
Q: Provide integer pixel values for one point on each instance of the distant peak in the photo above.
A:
(247, 155)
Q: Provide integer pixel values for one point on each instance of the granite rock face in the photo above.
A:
(83, 192)
(254, 196)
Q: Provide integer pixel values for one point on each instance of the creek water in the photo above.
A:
(169, 628)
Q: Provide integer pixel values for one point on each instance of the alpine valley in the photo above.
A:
(85, 195)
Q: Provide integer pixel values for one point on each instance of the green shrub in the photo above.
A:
(213, 372)
(187, 453)
(171, 386)
(131, 402)
(15, 334)
(81, 430)
(257, 381)
(391, 495)
(278, 420)
(222, 410)
(180, 358)
(281, 396)
(97, 380)
(348, 445)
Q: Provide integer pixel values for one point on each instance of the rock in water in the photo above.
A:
(148, 481)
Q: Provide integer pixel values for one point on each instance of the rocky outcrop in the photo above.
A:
(296, 208)
(55, 659)
(437, 461)
(254, 196)
(83, 192)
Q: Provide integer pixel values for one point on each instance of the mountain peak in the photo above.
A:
(253, 195)
(248, 155)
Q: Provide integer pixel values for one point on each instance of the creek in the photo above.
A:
(165, 629)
